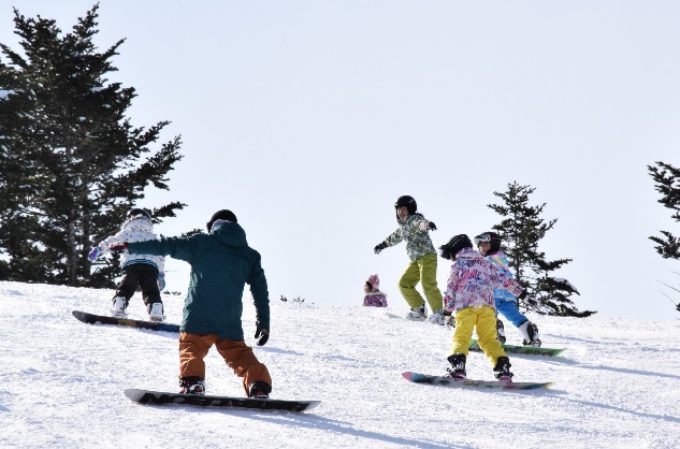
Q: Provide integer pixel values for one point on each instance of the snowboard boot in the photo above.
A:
(156, 312)
(192, 385)
(500, 331)
(457, 370)
(119, 306)
(502, 369)
(416, 314)
(530, 333)
(439, 317)
(259, 390)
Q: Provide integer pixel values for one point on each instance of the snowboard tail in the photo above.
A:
(149, 397)
(116, 321)
(531, 350)
(451, 382)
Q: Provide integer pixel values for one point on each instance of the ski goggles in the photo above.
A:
(482, 238)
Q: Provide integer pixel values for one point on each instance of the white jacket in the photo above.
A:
(136, 229)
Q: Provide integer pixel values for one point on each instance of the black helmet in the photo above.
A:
(138, 211)
(408, 202)
(489, 237)
(224, 214)
(454, 245)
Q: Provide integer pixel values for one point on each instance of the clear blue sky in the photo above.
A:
(309, 118)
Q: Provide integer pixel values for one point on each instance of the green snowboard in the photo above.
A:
(531, 350)
(445, 381)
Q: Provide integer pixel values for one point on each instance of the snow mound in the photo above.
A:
(617, 385)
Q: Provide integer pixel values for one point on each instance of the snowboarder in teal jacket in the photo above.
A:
(221, 264)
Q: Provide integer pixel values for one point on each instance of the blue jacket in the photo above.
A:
(501, 261)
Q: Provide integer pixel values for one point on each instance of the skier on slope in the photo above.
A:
(489, 245)
(414, 228)
(469, 294)
(221, 264)
(143, 270)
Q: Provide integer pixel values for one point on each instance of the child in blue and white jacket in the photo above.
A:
(489, 244)
(143, 270)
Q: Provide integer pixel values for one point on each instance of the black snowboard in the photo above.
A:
(153, 325)
(163, 398)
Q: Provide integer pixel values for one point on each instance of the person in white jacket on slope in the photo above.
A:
(141, 270)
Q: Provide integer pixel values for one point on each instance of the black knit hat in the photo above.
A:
(224, 214)
(454, 245)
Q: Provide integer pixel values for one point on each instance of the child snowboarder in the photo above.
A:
(414, 228)
(469, 294)
(374, 297)
(144, 270)
(221, 264)
(489, 245)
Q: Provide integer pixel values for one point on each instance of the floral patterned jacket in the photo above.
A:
(473, 279)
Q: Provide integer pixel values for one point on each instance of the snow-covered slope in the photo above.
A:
(617, 386)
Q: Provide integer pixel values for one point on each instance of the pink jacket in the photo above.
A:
(472, 281)
(375, 299)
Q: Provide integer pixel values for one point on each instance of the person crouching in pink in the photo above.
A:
(374, 297)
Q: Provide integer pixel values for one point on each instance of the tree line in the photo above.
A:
(667, 182)
(72, 164)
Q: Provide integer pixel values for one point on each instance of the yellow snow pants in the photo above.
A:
(483, 318)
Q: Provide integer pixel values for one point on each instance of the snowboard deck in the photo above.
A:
(451, 382)
(117, 321)
(531, 350)
(149, 397)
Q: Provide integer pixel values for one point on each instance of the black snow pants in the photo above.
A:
(144, 276)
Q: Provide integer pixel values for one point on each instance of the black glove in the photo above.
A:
(379, 247)
(522, 295)
(261, 333)
(433, 226)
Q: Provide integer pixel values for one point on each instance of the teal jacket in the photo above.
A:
(221, 264)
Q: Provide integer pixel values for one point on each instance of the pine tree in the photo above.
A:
(21, 179)
(522, 229)
(667, 180)
(72, 164)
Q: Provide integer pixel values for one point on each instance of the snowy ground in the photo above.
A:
(617, 386)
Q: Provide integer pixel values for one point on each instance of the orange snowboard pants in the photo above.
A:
(238, 356)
